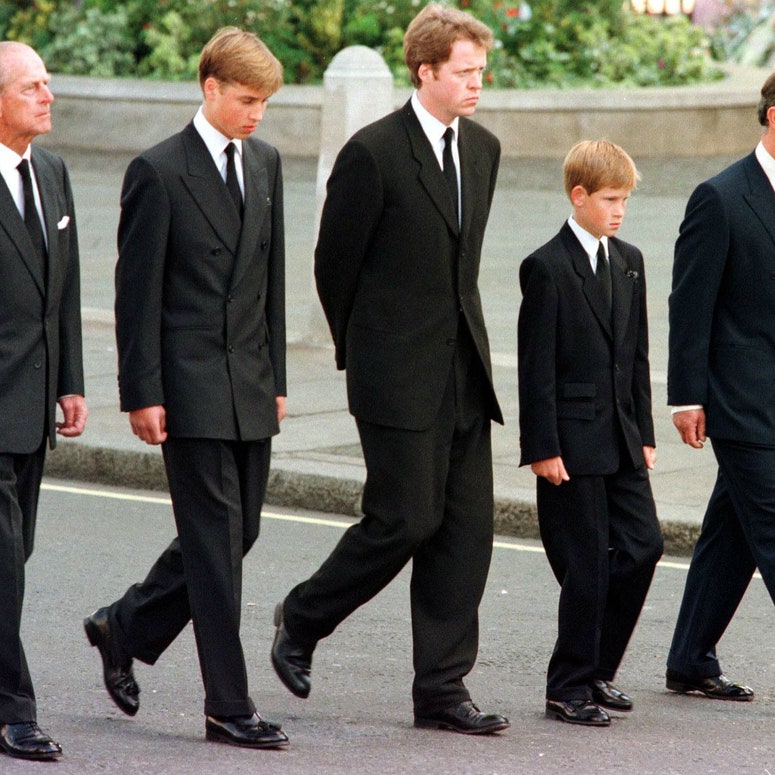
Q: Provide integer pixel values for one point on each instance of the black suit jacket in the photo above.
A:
(40, 318)
(393, 270)
(722, 306)
(200, 304)
(583, 376)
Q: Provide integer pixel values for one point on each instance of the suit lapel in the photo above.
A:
(206, 185)
(49, 187)
(12, 223)
(257, 201)
(761, 198)
(430, 175)
(472, 177)
(622, 280)
(589, 285)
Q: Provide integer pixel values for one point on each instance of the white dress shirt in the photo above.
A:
(9, 161)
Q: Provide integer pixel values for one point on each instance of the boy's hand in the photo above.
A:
(552, 469)
(650, 456)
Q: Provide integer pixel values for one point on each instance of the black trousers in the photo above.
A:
(603, 541)
(20, 477)
(428, 497)
(217, 490)
(738, 534)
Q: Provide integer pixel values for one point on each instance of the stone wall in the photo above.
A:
(712, 119)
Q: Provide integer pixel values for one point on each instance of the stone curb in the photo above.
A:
(290, 489)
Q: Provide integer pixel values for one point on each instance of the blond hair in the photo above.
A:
(235, 56)
(596, 164)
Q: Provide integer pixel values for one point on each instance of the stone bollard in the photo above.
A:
(358, 89)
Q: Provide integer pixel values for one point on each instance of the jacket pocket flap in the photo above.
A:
(579, 390)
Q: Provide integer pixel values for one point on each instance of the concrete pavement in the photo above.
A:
(317, 461)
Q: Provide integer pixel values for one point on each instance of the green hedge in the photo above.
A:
(557, 43)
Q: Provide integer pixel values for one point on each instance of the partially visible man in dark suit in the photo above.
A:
(200, 323)
(586, 430)
(397, 264)
(41, 362)
(720, 380)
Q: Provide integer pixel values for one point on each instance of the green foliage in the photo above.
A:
(546, 43)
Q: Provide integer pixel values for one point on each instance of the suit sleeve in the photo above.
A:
(142, 243)
(536, 344)
(698, 267)
(352, 210)
(70, 377)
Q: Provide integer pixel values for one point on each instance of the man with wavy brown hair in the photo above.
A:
(397, 264)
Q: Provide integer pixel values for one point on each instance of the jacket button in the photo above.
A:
(37, 365)
(264, 244)
(231, 348)
(215, 252)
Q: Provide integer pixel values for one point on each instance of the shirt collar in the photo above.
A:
(215, 141)
(767, 163)
(433, 128)
(588, 241)
(9, 160)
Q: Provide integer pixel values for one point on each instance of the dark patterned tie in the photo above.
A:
(231, 178)
(603, 274)
(31, 217)
(450, 172)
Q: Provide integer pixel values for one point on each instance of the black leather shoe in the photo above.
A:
(28, 741)
(606, 695)
(465, 718)
(292, 662)
(577, 712)
(717, 688)
(245, 731)
(116, 667)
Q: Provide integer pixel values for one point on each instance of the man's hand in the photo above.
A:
(691, 426)
(650, 457)
(75, 412)
(552, 469)
(149, 424)
(280, 408)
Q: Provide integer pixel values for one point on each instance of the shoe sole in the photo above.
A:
(559, 717)
(614, 708)
(46, 757)
(421, 723)
(216, 737)
(683, 688)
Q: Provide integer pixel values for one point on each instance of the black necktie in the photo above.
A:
(603, 274)
(450, 172)
(31, 218)
(231, 178)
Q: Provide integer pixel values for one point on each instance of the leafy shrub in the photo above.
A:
(557, 43)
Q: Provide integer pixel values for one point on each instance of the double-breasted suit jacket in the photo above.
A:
(583, 375)
(200, 303)
(200, 321)
(395, 272)
(40, 316)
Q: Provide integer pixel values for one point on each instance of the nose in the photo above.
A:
(476, 81)
(257, 114)
(47, 96)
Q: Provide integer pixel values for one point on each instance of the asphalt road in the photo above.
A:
(92, 543)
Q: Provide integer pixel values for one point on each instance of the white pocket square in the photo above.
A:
(63, 223)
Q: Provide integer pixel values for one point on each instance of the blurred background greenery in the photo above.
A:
(541, 43)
